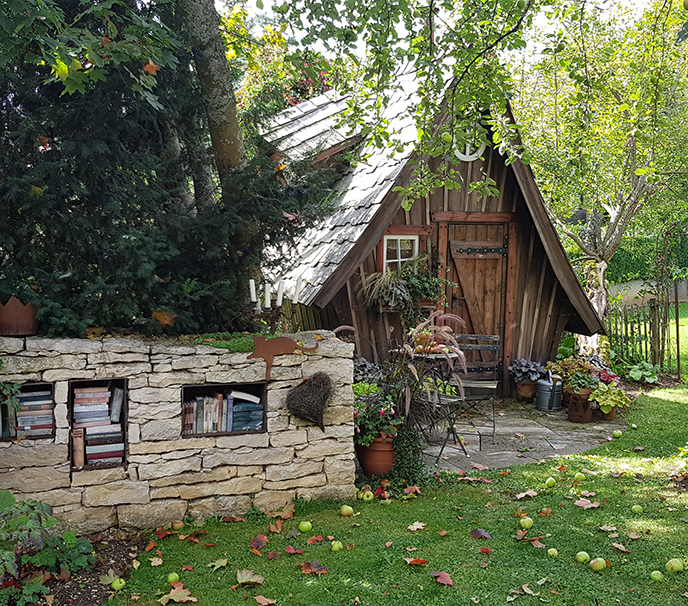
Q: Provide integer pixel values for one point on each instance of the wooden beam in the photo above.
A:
(472, 217)
(510, 301)
(335, 149)
(409, 230)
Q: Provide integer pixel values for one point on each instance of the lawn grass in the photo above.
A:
(379, 575)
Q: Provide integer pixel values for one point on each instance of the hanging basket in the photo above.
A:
(376, 459)
(17, 319)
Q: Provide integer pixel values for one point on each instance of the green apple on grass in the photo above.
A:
(118, 584)
(526, 523)
(550, 482)
(368, 496)
(579, 477)
(173, 577)
(598, 564)
(674, 565)
(617, 433)
(655, 575)
(305, 526)
(582, 557)
(337, 545)
(552, 552)
(637, 509)
(346, 510)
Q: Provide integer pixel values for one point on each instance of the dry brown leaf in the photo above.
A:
(155, 561)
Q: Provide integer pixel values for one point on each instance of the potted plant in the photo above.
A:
(375, 425)
(609, 397)
(526, 374)
(580, 385)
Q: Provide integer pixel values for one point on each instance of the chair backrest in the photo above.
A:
(488, 366)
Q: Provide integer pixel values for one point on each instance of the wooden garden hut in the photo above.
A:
(512, 275)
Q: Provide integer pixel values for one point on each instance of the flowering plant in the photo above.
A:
(374, 416)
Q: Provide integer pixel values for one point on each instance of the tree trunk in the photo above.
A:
(596, 286)
(202, 26)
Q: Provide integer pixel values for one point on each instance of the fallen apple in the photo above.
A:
(674, 565)
(552, 552)
(617, 433)
(526, 523)
(118, 584)
(337, 545)
(305, 526)
(582, 557)
(655, 575)
(550, 482)
(598, 564)
(359, 494)
(173, 577)
(368, 496)
(637, 509)
(579, 477)
(177, 525)
(346, 510)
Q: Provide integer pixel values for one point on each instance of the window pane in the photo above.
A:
(392, 248)
(406, 247)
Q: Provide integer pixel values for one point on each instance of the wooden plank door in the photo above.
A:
(477, 257)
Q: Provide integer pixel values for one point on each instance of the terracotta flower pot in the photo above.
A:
(608, 416)
(17, 319)
(580, 410)
(525, 392)
(376, 459)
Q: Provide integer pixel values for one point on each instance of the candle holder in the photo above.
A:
(270, 314)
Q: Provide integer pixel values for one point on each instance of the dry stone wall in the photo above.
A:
(168, 476)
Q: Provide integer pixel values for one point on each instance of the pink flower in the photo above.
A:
(392, 411)
(382, 412)
(358, 430)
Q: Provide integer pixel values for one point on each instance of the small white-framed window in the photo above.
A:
(398, 250)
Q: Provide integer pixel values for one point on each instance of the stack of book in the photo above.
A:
(222, 412)
(34, 418)
(97, 411)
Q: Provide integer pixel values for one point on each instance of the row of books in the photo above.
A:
(97, 438)
(34, 418)
(222, 412)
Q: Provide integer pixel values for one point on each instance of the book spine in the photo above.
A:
(198, 425)
(32, 427)
(105, 455)
(217, 405)
(116, 404)
(32, 433)
(99, 441)
(223, 421)
(102, 427)
(92, 390)
(117, 460)
(78, 448)
(29, 407)
(98, 448)
(230, 411)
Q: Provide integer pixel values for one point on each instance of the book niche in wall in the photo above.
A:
(33, 417)
(223, 409)
(98, 413)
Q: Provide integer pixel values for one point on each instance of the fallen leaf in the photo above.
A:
(480, 533)
(259, 542)
(273, 555)
(592, 473)
(484, 564)
(411, 549)
(528, 590)
(485, 550)
(49, 599)
(330, 537)
(634, 534)
(442, 578)
(479, 466)
(388, 544)
(233, 519)
(155, 561)
(285, 512)
(607, 528)
(586, 504)
(415, 561)
(161, 534)
(617, 474)
(257, 552)
(263, 601)
(638, 448)
(186, 567)
(313, 567)
(178, 594)
(136, 564)
(528, 493)
(561, 468)
(536, 543)
(547, 511)
(217, 564)
(587, 493)
(151, 546)
(444, 533)
(314, 540)
(106, 579)
(620, 547)
(412, 490)
(276, 527)
(290, 550)
(613, 535)
(349, 546)
(519, 435)
(247, 577)
(158, 553)
(416, 526)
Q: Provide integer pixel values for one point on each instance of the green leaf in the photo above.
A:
(6, 500)
(217, 564)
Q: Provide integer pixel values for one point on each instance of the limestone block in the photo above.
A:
(272, 500)
(9, 345)
(23, 364)
(114, 493)
(169, 468)
(342, 395)
(175, 378)
(250, 374)
(289, 360)
(153, 395)
(202, 350)
(222, 506)
(340, 472)
(61, 392)
(338, 415)
(54, 498)
(331, 431)
(125, 346)
(62, 435)
(62, 508)
(284, 384)
(285, 373)
(179, 454)
(49, 376)
(326, 448)
(195, 361)
(288, 438)
(90, 477)
(277, 423)
(151, 515)
(261, 456)
(297, 469)
(152, 458)
(250, 440)
(137, 382)
(122, 370)
(235, 359)
(133, 473)
(154, 410)
(60, 412)
(21, 378)
(344, 492)
(277, 400)
(334, 348)
(304, 482)
(218, 474)
(251, 470)
(338, 369)
(134, 434)
(28, 479)
(26, 454)
(86, 520)
(171, 445)
(66, 346)
(164, 429)
(172, 350)
(162, 368)
(111, 357)
(164, 492)
(235, 486)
